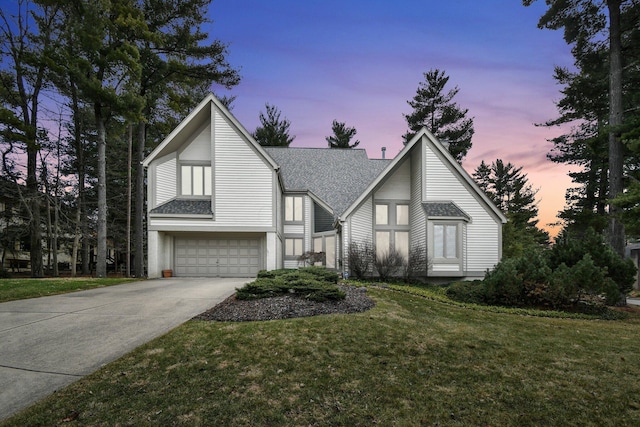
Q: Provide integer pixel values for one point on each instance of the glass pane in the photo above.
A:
(382, 242)
(438, 241)
(298, 209)
(297, 247)
(288, 247)
(402, 214)
(198, 180)
(402, 243)
(207, 180)
(288, 208)
(186, 180)
(451, 241)
(330, 252)
(382, 214)
(317, 244)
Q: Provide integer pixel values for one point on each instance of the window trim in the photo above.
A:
(293, 237)
(392, 222)
(459, 241)
(191, 165)
(302, 204)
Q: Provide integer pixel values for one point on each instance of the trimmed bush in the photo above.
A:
(313, 283)
(470, 292)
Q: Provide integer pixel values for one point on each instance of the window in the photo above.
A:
(445, 241)
(195, 180)
(392, 227)
(402, 214)
(293, 247)
(293, 209)
(382, 214)
(326, 244)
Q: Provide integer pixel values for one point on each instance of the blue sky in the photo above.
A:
(360, 61)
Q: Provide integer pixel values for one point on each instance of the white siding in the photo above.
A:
(398, 185)
(445, 268)
(417, 213)
(294, 229)
(308, 203)
(361, 223)
(243, 183)
(166, 181)
(199, 147)
(482, 241)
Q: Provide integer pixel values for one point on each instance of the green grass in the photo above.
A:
(410, 361)
(14, 289)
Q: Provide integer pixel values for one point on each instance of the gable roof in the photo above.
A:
(426, 136)
(201, 114)
(336, 176)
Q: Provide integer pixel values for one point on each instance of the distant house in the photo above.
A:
(219, 204)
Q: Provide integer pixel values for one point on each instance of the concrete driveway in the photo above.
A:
(47, 343)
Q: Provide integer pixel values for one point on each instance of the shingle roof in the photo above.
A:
(337, 176)
(185, 207)
(444, 210)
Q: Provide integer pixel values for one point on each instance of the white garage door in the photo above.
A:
(217, 257)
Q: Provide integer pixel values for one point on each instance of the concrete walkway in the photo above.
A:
(633, 301)
(47, 343)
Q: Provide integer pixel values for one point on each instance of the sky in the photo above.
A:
(360, 61)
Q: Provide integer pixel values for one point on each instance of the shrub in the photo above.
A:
(416, 264)
(4, 274)
(470, 292)
(388, 263)
(512, 281)
(360, 258)
(570, 250)
(313, 283)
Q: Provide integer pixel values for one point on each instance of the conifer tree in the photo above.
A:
(273, 132)
(342, 135)
(435, 109)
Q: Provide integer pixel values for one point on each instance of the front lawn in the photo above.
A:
(14, 289)
(409, 361)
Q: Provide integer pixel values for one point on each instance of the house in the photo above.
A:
(219, 204)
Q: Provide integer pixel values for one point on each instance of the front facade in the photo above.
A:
(219, 204)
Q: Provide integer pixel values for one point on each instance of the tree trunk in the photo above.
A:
(130, 143)
(139, 210)
(76, 240)
(616, 151)
(35, 233)
(101, 257)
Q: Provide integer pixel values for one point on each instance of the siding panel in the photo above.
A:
(166, 181)
(243, 182)
(398, 185)
(361, 223)
(482, 232)
(416, 211)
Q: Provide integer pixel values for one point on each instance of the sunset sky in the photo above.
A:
(359, 61)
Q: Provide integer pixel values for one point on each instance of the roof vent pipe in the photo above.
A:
(383, 151)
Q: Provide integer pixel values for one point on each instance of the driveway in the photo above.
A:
(47, 343)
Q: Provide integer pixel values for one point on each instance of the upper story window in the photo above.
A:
(392, 227)
(195, 180)
(293, 208)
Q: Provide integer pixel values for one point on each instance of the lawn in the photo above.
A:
(409, 361)
(14, 289)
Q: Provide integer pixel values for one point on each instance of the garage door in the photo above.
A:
(236, 257)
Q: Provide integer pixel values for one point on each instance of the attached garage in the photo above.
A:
(217, 256)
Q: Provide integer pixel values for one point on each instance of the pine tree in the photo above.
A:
(435, 109)
(509, 189)
(342, 136)
(273, 132)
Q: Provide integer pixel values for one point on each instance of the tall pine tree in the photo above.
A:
(273, 131)
(342, 136)
(434, 108)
